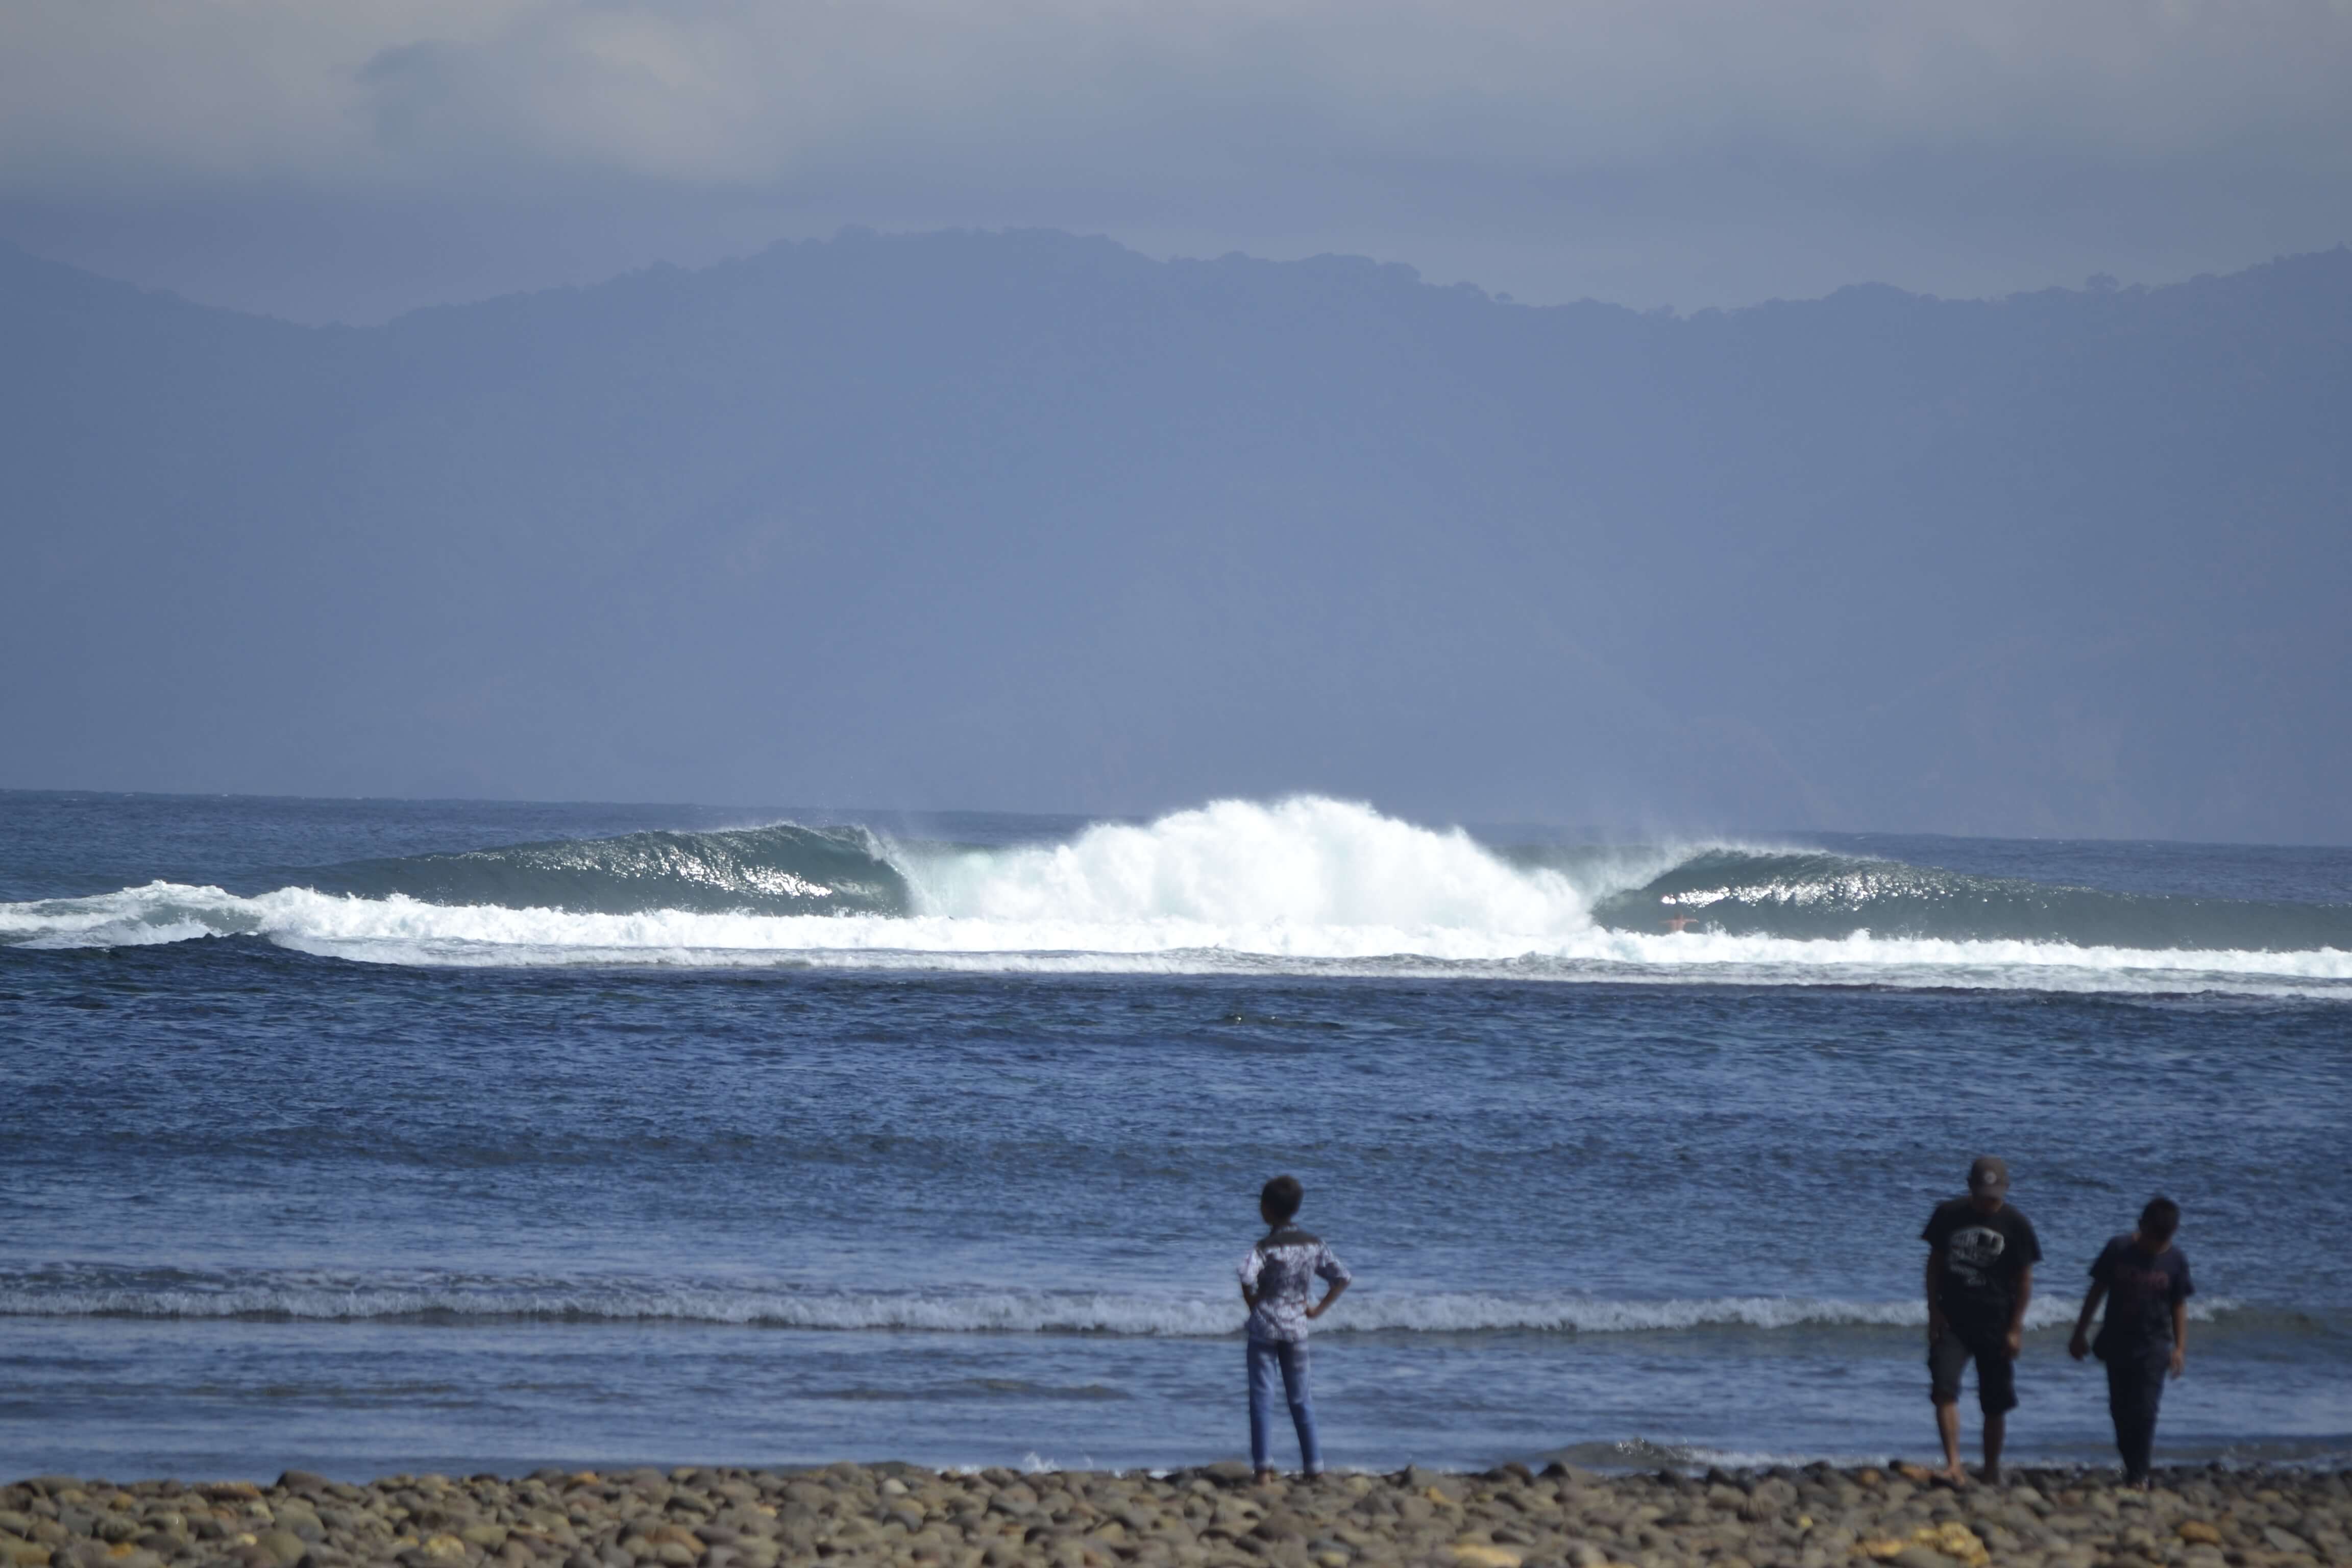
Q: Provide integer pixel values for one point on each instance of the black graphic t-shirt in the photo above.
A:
(1983, 1256)
(2140, 1293)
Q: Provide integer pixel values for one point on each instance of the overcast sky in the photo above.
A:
(351, 159)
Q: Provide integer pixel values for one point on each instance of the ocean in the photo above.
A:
(376, 1136)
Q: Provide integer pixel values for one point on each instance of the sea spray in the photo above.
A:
(1306, 864)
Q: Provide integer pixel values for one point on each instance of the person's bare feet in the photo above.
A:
(1991, 1474)
(1267, 1478)
(1955, 1474)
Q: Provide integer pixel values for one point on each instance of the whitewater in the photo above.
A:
(1302, 885)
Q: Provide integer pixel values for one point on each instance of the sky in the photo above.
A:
(347, 162)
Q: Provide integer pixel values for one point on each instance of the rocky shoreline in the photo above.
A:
(1815, 1517)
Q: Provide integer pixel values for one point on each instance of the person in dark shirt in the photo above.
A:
(2144, 1278)
(1980, 1258)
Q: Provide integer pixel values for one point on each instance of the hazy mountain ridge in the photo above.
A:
(1031, 520)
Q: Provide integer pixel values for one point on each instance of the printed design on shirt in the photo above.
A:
(1973, 1253)
(1280, 1271)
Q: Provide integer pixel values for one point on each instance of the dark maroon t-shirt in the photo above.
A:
(2140, 1293)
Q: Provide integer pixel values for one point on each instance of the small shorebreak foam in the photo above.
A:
(435, 1297)
(1304, 885)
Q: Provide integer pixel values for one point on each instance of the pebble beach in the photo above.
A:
(1818, 1516)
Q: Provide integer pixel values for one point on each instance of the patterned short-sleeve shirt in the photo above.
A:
(1280, 1271)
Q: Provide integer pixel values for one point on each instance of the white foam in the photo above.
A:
(1305, 885)
(326, 1298)
(1280, 872)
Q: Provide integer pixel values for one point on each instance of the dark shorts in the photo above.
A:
(1996, 1373)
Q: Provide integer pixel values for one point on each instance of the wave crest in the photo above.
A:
(1808, 894)
(781, 869)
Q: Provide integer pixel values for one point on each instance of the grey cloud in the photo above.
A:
(1691, 151)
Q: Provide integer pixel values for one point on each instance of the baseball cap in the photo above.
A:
(1989, 1177)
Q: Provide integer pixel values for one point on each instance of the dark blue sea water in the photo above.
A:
(373, 1136)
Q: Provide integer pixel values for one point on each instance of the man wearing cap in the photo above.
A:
(1980, 1258)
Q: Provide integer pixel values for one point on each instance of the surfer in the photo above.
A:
(1676, 920)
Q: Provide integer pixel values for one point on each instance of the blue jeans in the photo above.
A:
(1291, 1359)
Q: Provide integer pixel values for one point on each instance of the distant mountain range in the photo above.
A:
(1027, 521)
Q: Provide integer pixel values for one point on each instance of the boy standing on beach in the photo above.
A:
(1980, 1258)
(2145, 1279)
(1276, 1278)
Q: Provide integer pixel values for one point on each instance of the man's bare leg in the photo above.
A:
(1947, 1426)
(1996, 1428)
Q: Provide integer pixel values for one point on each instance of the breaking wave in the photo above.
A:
(783, 869)
(1304, 885)
(1810, 894)
(94, 1291)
